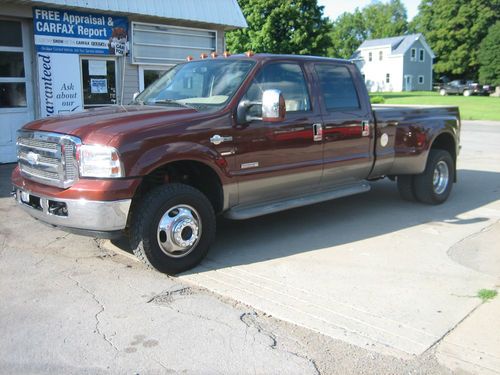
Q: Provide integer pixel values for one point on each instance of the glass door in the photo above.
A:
(98, 81)
(16, 97)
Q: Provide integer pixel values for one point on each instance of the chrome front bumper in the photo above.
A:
(79, 214)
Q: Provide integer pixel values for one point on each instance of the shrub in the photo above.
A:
(377, 99)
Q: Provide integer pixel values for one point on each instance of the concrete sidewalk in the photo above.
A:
(474, 345)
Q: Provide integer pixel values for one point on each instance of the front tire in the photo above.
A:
(172, 228)
(442, 92)
(466, 93)
(434, 185)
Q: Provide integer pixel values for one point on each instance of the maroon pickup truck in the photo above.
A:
(241, 136)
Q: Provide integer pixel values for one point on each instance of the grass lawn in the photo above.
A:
(471, 107)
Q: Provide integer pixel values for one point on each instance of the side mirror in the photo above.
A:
(272, 108)
(136, 94)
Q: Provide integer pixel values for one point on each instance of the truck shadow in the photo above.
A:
(343, 221)
(5, 184)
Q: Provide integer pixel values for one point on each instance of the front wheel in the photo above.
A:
(442, 92)
(172, 228)
(466, 93)
(434, 185)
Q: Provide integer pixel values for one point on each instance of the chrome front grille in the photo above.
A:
(48, 158)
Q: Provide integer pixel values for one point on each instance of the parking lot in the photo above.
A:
(364, 284)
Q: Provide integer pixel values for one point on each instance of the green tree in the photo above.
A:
(489, 56)
(454, 30)
(278, 26)
(385, 20)
(377, 20)
(348, 32)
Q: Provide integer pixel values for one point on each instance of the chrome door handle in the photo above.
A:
(317, 132)
(217, 139)
(365, 128)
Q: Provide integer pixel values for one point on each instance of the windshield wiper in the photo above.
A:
(172, 101)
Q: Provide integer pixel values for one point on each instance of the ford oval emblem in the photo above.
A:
(32, 158)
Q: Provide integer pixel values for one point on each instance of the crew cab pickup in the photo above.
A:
(239, 136)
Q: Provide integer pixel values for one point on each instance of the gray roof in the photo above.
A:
(218, 12)
(399, 44)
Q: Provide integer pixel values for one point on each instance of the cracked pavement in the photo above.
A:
(69, 305)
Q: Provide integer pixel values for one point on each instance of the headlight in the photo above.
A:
(99, 161)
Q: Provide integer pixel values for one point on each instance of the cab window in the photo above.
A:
(337, 87)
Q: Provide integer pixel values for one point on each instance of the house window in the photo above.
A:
(413, 54)
(420, 80)
(421, 55)
(369, 56)
(387, 78)
(380, 55)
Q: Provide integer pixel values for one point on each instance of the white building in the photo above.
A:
(402, 63)
(59, 56)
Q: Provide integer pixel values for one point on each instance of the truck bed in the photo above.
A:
(404, 134)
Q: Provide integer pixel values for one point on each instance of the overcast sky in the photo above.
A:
(334, 8)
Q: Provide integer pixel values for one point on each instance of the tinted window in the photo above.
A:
(337, 87)
(286, 77)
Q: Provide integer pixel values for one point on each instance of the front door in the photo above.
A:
(348, 126)
(279, 160)
(16, 90)
(408, 83)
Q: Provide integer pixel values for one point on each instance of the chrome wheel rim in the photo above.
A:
(179, 231)
(441, 177)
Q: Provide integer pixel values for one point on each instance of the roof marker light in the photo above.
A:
(203, 56)
(226, 54)
(249, 53)
(213, 55)
(189, 58)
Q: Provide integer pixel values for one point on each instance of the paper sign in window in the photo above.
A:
(97, 68)
(98, 85)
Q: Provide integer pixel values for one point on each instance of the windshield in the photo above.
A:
(203, 85)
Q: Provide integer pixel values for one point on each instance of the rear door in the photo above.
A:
(279, 159)
(348, 124)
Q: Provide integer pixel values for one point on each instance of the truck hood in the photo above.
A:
(100, 125)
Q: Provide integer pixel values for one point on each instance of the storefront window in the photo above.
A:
(152, 75)
(11, 64)
(12, 72)
(12, 95)
(11, 34)
(99, 81)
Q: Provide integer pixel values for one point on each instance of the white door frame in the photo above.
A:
(29, 110)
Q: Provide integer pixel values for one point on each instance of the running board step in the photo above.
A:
(247, 212)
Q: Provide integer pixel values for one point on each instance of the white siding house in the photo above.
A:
(402, 63)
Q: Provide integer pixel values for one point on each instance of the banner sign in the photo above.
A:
(60, 86)
(67, 31)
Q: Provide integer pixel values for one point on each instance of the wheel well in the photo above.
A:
(445, 142)
(192, 173)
